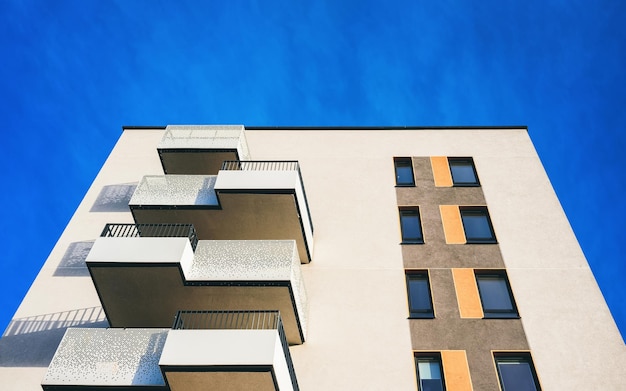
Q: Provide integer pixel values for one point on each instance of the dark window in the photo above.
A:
(477, 225)
(411, 226)
(418, 289)
(516, 372)
(463, 171)
(495, 295)
(429, 372)
(404, 171)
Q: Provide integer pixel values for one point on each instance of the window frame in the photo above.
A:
(433, 357)
(410, 211)
(517, 357)
(465, 161)
(477, 211)
(496, 314)
(404, 162)
(421, 275)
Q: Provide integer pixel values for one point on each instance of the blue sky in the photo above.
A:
(73, 72)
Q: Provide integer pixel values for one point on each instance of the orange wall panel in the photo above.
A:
(456, 370)
(441, 171)
(467, 293)
(452, 224)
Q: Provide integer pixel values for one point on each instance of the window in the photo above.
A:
(477, 224)
(418, 290)
(495, 294)
(404, 171)
(516, 372)
(411, 225)
(429, 373)
(463, 171)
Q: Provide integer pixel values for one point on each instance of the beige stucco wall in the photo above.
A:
(359, 335)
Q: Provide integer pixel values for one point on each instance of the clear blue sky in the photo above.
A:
(73, 72)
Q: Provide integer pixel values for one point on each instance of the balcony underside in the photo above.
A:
(195, 161)
(261, 215)
(259, 378)
(149, 295)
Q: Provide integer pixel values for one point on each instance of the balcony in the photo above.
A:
(247, 200)
(116, 359)
(223, 350)
(242, 350)
(143, 281)
(200, 150)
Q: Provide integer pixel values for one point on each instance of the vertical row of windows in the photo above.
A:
(515, 370)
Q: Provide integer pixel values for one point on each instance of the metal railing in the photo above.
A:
(152, 231)
(238, 320)
(269, 165)
(260, 165)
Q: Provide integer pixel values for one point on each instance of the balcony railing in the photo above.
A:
(237, 320)
(151, 231)
(259, 165)
(269, 165)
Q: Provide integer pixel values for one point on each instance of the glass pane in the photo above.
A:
(431, 385)
(494, 293)
(462, 173)
(476, 226)
(429, 374)
(411, 228)
(419, 295)
(516, 376)
(429, 369)
(404, 173)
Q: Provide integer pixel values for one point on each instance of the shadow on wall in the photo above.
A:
(114, 198)
(73, 262)
(32, 341)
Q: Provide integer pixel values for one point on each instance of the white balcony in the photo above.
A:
(144, 281)
(200, 150)
(98, 358)
(246, 200)
(233, 351)
(226, 351)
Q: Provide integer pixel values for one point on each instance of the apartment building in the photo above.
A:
(250, 258)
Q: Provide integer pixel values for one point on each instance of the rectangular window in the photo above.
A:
(495, 294)
(516, 372)
(411, 225)
(404, 171)
(429, 372)
(463, 171)
(477, 225)
(418, 290)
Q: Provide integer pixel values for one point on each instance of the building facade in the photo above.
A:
(232, 258)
